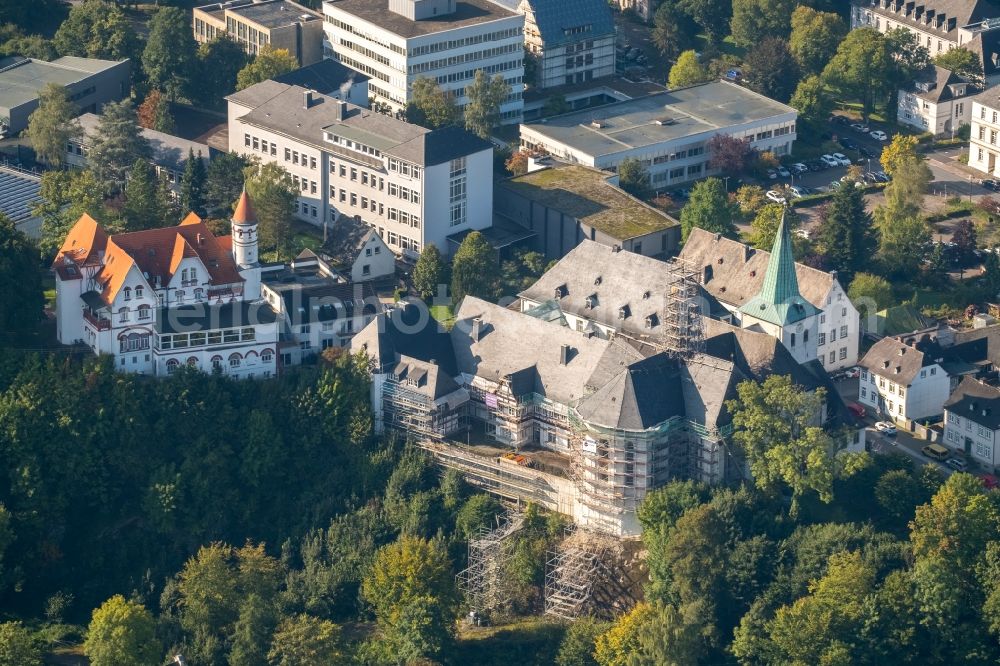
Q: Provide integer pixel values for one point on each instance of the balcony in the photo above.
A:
(97, 322)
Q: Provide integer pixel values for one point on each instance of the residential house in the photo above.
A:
(254, 24)
(571, 42)
(415, 186)
(939, 102)
(396, 41)
(903, 378)
(972, 422)
(359, 252)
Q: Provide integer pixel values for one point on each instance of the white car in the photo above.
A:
(842, 159)
(886, 428)
(796, 191)
(829, 160)
(798, 168)
(775, 196)
(783, 172)
(878, 135)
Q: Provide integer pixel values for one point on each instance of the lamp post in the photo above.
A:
(726, 179)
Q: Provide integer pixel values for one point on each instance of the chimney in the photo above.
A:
(477, 329)
(307, 98)
(564, 355)
(339, 109)
(201, 239)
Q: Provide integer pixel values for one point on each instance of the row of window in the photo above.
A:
(351, 144)
(468, 41)
(489, 70)
(833, 335)
(367, 178)
(405, 168)
(235, 360)
(304, 184)
(201, 339)
(471, 56)
(403, 217)
(348, 27)
(404, 193)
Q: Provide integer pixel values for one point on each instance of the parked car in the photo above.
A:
(784, 173)
(856, 409)
(882, 176)
(848, 144)
(796, 191)
(935, 451)
(867, 154)
(957, 464)
(878, 135)
(775, 196)
(990, 184)
(842, 159)
(772, 174)
(840, 120)
(861, 127)
(989, 481)
(852, 373)
(834, 184)
(734, 75)
(829, 160)
(886, 428)
(870, 178)
(798, 168)
(817, 165)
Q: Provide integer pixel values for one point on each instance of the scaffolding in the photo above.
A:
(571, 574)
(682, 331)
(483, 581)
(413, 412)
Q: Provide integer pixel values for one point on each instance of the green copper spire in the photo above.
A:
(779, 301)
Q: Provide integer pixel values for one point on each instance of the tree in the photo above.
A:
(688, 71)
(117, 144)
(154, 113)
(815, 37)
(53, 124)
(18, 647)
(755, 20)
(845, 232)
(615, 646)
(192, 192)
(633, 177)
(555, 106)
(712, 15)
(961, 61)
(411, 589)
(430, 105)
(750, 199)
(30, 46)
(870, 294)
(122, 633)
(673, 30)
(902, 149)
(708, 209)
(269, 63)
(577, 646)
(482, 112)
(144, 207)
(274, 197)
(764, 228)
(771, 70)
(964, 238)
(902, 239)
(64, 197)
(219, 63)
(429, 273)
(224, 182)
(775, 427)
(303, 640)
(252, 632)
(812, 102)
(473, 268)
(899, 492)
(169, 57)
(860, 67)
(97, 29)
(729, 154)
(517, 165)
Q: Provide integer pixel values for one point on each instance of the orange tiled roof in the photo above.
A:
(244, 210)
(84, 243)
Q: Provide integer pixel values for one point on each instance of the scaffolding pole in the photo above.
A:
(482, 582)
(571, 573)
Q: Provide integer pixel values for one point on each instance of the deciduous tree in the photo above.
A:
(154, 113)
(274, 197)
(64, 197)
(473, 269)
(633, 177)
(304, 640)
(730, 154)
(812, 102)
(18, 646)
(429, 273)
(962, 61)
(578, 644)
(688, 71)
(771, 70)
(815, 37)
(53, 124)
(219, 63)
(97, 29)
(673, 30)
(269, 63)
(860, 67)
(482, 113)
(755, 20)
(712, 15)
(870, 294)
(224, 182)
(430, 105)
(122, 633)
(764, 227)
(708, 209)
(169, 58)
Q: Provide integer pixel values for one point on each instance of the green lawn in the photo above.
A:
(444, 314)
(728, 47)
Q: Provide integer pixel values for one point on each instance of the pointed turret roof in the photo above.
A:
(245, 213)
(779, 301)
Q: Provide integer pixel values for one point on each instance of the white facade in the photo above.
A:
(922, 111)
(838, 334)
(410, 203)
(569, 50)
(886, 396)
(394, 50)
(963, 431)
(984, 146)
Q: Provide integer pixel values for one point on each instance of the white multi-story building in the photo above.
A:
(415, 186)
(734, 273)
(939, 102)
(668, 132)
(984, 133)
(972, 422)
(160, 299)
(939, 25)
(571, 42)
(396, 41)
(904, 380)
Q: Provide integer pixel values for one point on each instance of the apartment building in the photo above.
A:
(972, 422)
(415, 186)
(253, 24)
(667, 132)
(938, 102)
(571, 42)
(396, 41)
(983, 136)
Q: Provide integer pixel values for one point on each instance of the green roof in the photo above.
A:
(779, 301)
(586, 195)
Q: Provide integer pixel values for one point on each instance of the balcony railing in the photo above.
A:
(97, 322)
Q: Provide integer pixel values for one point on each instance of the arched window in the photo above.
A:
(267, 356)
(138, 291)
(192, 362)
(127, 291)
(123, 315)
(234, 360)
(172, 366)
(143, 312)
(217, 363)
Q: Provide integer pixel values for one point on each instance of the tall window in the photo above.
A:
(128, 293)
(123, 315)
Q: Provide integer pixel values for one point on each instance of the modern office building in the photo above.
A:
(571, 42)
(396, 41)
(91, 84)
(414, 185)
(667, 132)
(253, 24)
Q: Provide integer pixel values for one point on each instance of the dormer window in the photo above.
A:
(652, 320)
(597, 281)
(128, 293)
(560, 291)
(591, 301)
(623, 312)
(138, 291)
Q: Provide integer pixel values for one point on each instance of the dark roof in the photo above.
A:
(964, 12)
(328, 302)
(440, 146)
(943, 80)
(467, 12)
(276, 13)
(641, 396)
(325, 76)
(557, 19)
(346, 238)
(978, 402)
(894, 359)
(209, 317)
(757, 355)
(407, 331)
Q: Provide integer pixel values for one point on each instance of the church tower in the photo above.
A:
(779, 309)
(244, 241)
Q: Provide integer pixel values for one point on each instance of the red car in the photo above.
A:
(856, 409)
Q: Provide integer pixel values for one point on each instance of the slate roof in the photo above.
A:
(205, 316)
(280, 108)
(406, 331)
(943, 80)
(964, 12)
(737, 271)
(756, 355)
(555, 18)
(976, 401)
(641, 396)
(779, 301)
(325, 76)
(425, 378)
(900, 362)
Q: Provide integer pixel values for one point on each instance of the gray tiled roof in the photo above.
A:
(894, 359)
(641, 396)
(964, 12)
(325, 76)
(976, 401)
(168, 150)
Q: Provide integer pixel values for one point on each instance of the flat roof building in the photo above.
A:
(396, 41)
(91, 83)
(668, 132)
(254, 24)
